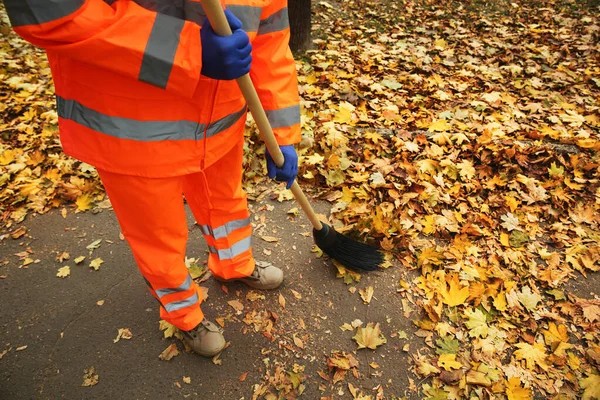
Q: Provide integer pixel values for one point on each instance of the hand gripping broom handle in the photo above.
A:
(218, 21)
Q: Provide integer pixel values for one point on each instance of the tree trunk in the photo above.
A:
(299, 14)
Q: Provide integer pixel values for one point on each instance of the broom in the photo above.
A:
(350, 253)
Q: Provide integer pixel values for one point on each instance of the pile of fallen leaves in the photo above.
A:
(35, 175)
(465, 139)
(462, 137)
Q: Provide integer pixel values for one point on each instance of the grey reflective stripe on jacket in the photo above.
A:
(159, 54)
(145, 131)
(37, 12)
(284, 117)
(275, 23)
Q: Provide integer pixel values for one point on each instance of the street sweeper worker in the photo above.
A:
(146, 94)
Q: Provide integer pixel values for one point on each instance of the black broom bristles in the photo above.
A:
(348, 252)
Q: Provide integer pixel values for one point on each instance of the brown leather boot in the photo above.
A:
(264, 277)
(206, 339)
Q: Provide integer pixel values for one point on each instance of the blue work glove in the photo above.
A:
(289, 170)
(225, 57)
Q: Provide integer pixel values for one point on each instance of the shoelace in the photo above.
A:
(257, 272)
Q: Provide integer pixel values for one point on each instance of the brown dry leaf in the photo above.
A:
(216, 360)
(242, 377)
(298, 342)
(591, 312)
(124, 333)
(236, 305)
(60, 257)
(281, 300)
(169, 352)
(90, 378)
(369, 337)
(186, 379)
(269, 239)
(366, 294)
(341, 360)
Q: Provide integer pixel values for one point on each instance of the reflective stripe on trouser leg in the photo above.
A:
(219, 204)
(152, 218)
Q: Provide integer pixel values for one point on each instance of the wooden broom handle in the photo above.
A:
(218, 21)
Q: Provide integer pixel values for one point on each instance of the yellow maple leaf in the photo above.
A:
(591, 384)
(347, 195)
(425, 369)
(500, 301)
(448, 362)
(441, 125)
(504, 239)
(589, 144)
(555, 170)
(168, 329)
(532, 355)
(84, 202)
(514, 391)
(96, 263)
(573, 118)
(344, 114)
(7, 157)
(314, 159)
(429, 256)
(427, 166)
(561, 349)
(429, 226)
(466, 169)
(64, 272)
(374, 136)
(512, 203)
(555, 333)
(457, 294)
(476, 323)
(369, 336)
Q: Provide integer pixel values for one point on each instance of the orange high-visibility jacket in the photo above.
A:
(130, 96)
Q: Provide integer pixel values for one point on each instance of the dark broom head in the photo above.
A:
(348, 252)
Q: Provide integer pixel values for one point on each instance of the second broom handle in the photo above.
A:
(218, 21)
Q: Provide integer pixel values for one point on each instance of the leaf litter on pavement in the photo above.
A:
(462, 137)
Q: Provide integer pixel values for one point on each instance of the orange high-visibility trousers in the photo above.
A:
(152, 218)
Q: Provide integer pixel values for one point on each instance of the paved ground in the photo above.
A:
(66, 332)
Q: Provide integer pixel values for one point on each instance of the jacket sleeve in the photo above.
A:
(125, 38)
(273, 72)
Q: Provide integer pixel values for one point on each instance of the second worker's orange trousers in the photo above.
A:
(152, 217)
